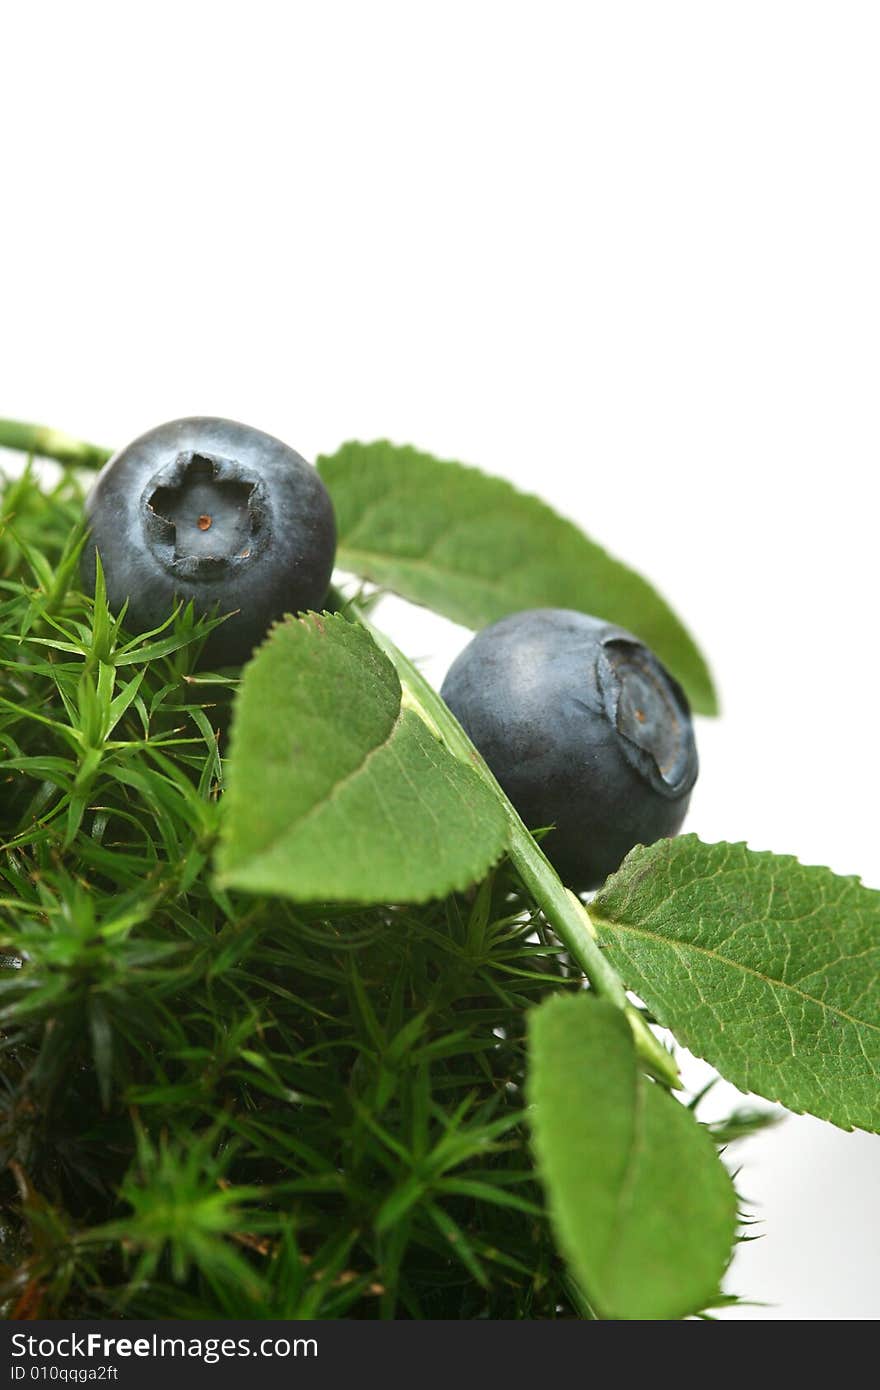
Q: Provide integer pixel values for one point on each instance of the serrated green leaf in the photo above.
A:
(643, 1208)
(336, 792)
(768, 969)
(473, 548)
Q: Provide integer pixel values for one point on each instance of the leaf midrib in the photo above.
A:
(294, 827)
(626, 1187)
(385, 557)
(735, 965)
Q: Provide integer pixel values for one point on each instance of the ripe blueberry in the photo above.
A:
(216, 512)
(585, 731)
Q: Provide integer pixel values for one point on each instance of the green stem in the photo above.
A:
(51, 444)
(566, 914)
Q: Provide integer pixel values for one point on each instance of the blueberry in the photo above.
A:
(216, 512)
(585, 731)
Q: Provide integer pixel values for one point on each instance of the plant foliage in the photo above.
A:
(298, 1021)
(768, 969)
(475, 549)
(650, 1230)
(343, 792)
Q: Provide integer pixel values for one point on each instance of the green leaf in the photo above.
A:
(767, 969)
(337, 792)
(474, 549)
(642, 1206)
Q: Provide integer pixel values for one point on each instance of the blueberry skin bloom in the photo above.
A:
(584, 729)
(217, 512)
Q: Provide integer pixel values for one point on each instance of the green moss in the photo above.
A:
(213, 1105)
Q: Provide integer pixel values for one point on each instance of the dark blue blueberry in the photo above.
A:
(216, 512)
(585, 730)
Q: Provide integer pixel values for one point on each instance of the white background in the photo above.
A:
(626, 255)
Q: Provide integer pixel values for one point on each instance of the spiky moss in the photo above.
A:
(222, 1106)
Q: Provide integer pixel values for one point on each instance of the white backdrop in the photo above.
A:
(625, 255)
